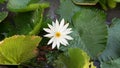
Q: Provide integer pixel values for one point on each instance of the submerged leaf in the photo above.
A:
(18, 49)
(112, 50)
(90, 24)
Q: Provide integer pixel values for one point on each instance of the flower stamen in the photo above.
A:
(57, 34)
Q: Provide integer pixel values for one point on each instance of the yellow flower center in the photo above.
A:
(57, 34)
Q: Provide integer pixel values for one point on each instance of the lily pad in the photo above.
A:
(111, 64)
(18, 49)
(23, 23)
(25, 5)
(75, 58)
(112, 50)
(90, 24)
(66, 12)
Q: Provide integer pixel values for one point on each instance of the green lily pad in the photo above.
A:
(27, 23)
(76, 43)
(112, 50)
(25, 5)
(111, 64)
(75, 58)
(66, 12)
(18, 49)
(90, 24)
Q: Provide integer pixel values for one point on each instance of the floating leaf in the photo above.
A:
(23, 23)
(66, 12)
(112, 50)
(26, 22)
(3, 15)
(90, 24)
(85, 2)
(25, 5)
(15, 5)
(75, 58)
(17, 49)
(111, 64)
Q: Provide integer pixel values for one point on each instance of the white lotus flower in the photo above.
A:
(58, 32)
